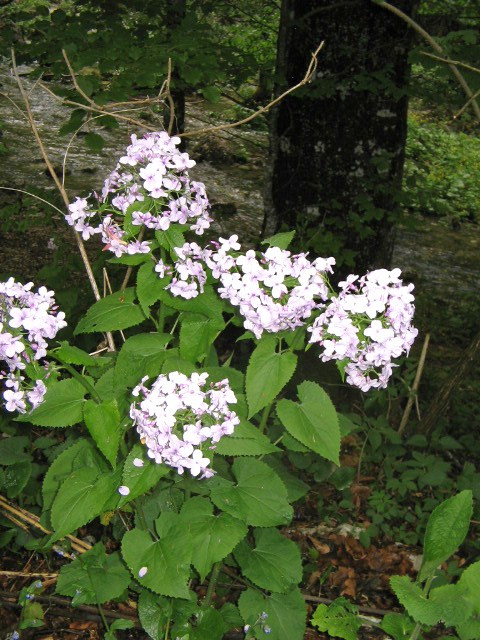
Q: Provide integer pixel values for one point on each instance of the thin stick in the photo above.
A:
(54, 175)
(416, 383)
(63, 193)
(434, 44)
(312, 67)
(73, 103)
(467, 104)
(64, 163)
(24, 574)
(457, 63)
(23, 114)
(16, 522)
(34, 520)
(33, 195)
(75, 82)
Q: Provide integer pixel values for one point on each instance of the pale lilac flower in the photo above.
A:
(366, 326)
(27, 320)
(177, 419)
(142, 572)
(273, 290)
(123, 490)
(151, 171)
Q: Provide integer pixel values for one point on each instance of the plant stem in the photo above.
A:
(418, 626)
(212, 583)
(91, 390)
(265, 414)
(167, 629)
(102, 615)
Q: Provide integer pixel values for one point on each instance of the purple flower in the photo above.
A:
(368, 324)
(177, 419)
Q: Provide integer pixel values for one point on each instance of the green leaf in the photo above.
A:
(80, 499)
(140, 479)
(246, 440)
(78, 456)
(117, 625)
(212, 94)
(15, 478)
(141, 355)
(274, 564)
(210, 625)
(339, 619)
(103, 424)
(174, 363)
(267, 373)
(116, 311)
(12, 450)
(94, 577)
(455, 606)
(296, 488)
(397, 625)
(153, 612)
(286, 613)
(258, 497)
(167, 560)
(313, 421)
(411, 596)
(149, 286)
(213, 536)
(235, 377)
(447, 528)
(280, 240)
(197, 334)
(94, 142)
(61, 407)
(73, 355)
(469, 582)
(469, 630)
(207, 303)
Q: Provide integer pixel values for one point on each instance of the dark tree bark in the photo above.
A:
(337, 146)
(175, 13)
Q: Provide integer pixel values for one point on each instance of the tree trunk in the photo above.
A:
(176, 10)
(337, 146)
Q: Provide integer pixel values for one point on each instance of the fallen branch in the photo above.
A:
(22, 514)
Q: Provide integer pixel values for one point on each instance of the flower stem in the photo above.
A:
(212, 583)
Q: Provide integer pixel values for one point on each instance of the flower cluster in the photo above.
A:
(274, 290)
(153, 174)
(190, 275)
(368, 324)
(176, 417)
(27, 320)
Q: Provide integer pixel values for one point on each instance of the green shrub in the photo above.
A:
(442, 172)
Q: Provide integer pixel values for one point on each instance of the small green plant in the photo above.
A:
(430, 600)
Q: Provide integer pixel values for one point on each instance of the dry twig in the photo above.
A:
(312, 67)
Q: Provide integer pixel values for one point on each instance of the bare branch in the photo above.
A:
(434, 44)
(75, 81)
(312, 67)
